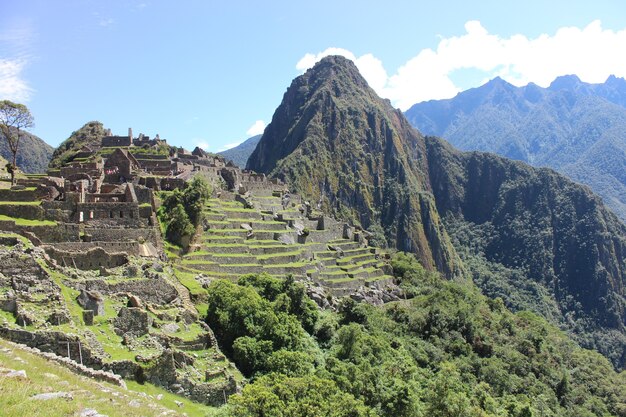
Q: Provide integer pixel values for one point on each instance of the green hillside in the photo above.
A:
(33, 153)
(333, 138)
(579, 129)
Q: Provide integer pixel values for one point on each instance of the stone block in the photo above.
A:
(91, 300)
(88, 317)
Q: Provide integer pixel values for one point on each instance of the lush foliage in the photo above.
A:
(573, 127)
(263, 322)
(447, 351)
(181, 211)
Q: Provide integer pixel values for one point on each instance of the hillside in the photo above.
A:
(332, 136)
(33, 154)
(240, 153)
(579, 129)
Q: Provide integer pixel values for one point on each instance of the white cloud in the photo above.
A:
(592, 53)
(202, 144)
(106, 22)
(256, 129)
(12, 86)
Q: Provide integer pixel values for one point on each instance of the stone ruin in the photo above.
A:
(98, 208)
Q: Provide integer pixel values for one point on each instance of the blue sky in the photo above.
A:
(206, 72)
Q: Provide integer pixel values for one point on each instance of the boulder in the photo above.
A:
(133, 321)
(91, 300)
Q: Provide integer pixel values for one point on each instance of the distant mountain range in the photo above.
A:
(33, 153)
(576, 128)
(530, 236)
(240, 154)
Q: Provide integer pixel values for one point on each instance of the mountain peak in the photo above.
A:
(565, 82)
(336, 142)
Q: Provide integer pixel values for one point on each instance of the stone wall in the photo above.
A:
(18, 195)
(119, 234)
(93, 258)
(22, 211)
(118, 213)
(63, 232)
(114, 141)
(128, 247)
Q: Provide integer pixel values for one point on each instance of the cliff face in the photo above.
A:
(333, 139)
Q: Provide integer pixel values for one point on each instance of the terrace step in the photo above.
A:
(223, 258)
(223, 248)
(214, 238)
(280, 258)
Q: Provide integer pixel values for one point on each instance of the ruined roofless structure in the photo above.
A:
(99, 207)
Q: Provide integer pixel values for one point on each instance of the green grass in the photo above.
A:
(189, 281)
(27, 222)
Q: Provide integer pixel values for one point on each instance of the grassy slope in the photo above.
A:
(46, 377)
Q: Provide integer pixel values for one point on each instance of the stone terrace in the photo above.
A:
(283, 241)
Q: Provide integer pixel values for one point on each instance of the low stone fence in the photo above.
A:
(98, 375)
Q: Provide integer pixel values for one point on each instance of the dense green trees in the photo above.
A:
(181, 210)
(446, 351)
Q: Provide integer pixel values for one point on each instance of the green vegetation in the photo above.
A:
(574, 127)
(446, 351)
(181, 211)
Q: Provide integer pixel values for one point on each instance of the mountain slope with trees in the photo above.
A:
(577, 128)
(33, 154)
(240, 153)
(90, 134)
(333, 138)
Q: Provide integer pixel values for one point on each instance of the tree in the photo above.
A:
(13, 118)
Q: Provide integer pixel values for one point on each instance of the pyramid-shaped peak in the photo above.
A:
(334, 69)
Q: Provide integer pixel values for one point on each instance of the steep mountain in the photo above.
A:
(33, 153)
(579, 129)
(90, 134)
(532, 230)
(240, 153)
(335, 141)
